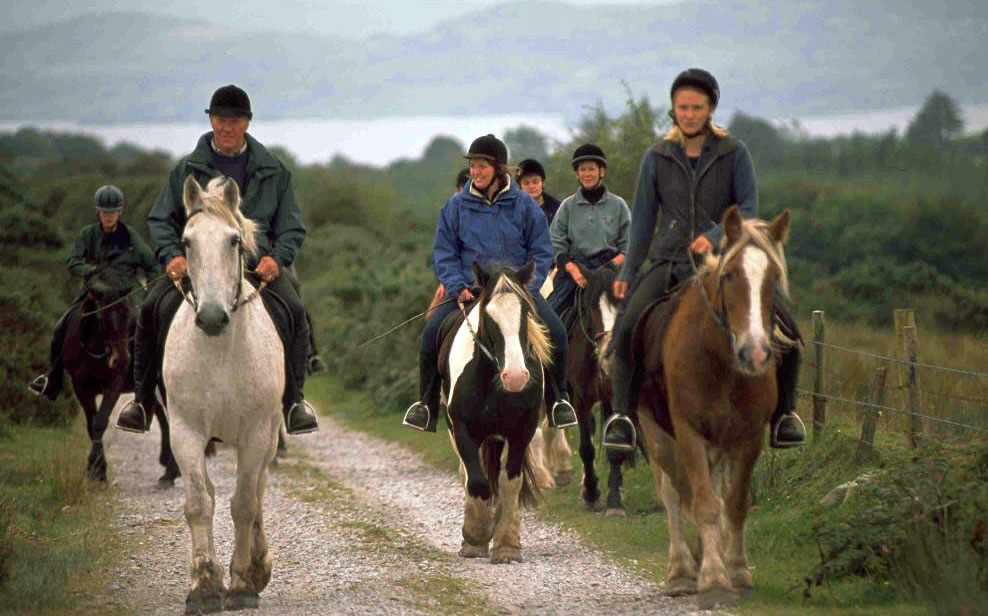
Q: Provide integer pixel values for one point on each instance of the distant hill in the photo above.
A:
(775, 58)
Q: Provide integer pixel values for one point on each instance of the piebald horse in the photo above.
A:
(492, 366)
(223, 370)
(711, 389)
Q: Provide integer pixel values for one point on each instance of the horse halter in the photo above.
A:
(476, 339)
(719, 318)
(597, 336)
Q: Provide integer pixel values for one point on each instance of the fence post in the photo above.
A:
(819, 376)
(912, 385)
(903, 317)
(866, 448)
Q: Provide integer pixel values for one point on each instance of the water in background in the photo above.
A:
(381, 141)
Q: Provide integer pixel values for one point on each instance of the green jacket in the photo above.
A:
(91, 250)
(270, 201)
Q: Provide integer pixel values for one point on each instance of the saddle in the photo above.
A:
(444, 339)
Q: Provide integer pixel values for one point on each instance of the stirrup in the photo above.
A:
(559, 412)
(615, 444)
(315, 364)
(412, 417)
(129, 424)
(303, 408)
(774, 442)
(38, 385)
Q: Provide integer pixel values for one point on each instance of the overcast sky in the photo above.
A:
(335, 17)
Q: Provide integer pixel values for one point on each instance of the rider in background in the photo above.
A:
(109, 243)
(531, 178)
(688, 179)
(490, 221)
(590, 228)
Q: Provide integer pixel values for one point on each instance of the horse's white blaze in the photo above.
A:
(461, 353)
(755, 262)
(608, 313)
(505, 310)
(213, 260)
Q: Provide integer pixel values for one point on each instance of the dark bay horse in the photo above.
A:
(595, 309)
(492, 366)
(96, 355)
(709, 353)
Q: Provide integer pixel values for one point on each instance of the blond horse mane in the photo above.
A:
(753, 231)
(538, 334)
(214, 202)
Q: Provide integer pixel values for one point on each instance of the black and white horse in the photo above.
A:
(493, 373)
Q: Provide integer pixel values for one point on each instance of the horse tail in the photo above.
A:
(490, 454)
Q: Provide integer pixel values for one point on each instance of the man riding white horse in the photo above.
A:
(268, 199)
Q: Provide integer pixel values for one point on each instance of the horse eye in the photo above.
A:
(234, 241)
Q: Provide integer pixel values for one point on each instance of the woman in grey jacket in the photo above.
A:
(590, 228)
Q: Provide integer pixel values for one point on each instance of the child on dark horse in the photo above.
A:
(107, 243)
(489, 221)
(531, 179)
(589, 229)
(692, 175)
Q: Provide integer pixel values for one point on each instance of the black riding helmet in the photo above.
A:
(699, 79)
(109, 199)
(490, 148)
(530, 166)
(589, 151)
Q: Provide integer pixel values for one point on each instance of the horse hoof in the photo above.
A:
(741, 580)
(165, 483)
(198, 603)
(473, 551)
(504, 556)
(241, 600)
(716, 597)
(679, 587)
(563, 478)
(615, 512)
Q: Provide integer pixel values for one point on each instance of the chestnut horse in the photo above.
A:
(711, 389)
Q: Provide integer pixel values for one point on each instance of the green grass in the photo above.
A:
(781, 547)
(56, 528)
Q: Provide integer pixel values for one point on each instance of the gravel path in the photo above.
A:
(358, 525)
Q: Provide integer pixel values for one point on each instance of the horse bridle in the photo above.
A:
(238, 301)
(476, 339)
(595, 340)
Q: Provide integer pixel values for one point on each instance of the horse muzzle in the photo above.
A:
(515, 380)
(212, 319)
(754, 357)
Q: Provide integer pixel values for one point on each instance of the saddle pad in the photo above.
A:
(445, 338)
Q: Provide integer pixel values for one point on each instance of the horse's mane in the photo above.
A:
(753, 231)
(214, 202)
(601, 282)
(107, 284)
(538, 335)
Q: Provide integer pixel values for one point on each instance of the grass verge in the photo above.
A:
(56, 542)
(780, 539)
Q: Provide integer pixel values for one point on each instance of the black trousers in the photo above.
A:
(654, 284)
(163, 301)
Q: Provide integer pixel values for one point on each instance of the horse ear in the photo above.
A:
(479, 274)
(779, 228)
(732, 224)
(231, 194)
(526, 272)
(191, 195)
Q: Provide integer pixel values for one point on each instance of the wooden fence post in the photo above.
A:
(912, 385)
(866, 448)
(819, 376)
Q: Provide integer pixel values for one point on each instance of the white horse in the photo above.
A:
(223, 371)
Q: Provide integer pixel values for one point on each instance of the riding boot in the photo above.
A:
(787, 428)
(562, 414)
(300, 416)
(136, 416)
(424, 414)
(313, 362)
(619, 431)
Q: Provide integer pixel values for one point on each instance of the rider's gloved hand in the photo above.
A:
(267, 269)
(176, 268)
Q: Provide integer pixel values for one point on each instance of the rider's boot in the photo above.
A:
(619, 430)
(423, 415)
(561, 415)
(787, 429)
(136, 415)
(300, 416)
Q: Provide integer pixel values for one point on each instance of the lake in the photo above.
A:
(381, 141)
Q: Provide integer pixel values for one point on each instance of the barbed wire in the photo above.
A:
(890, 408)
(902, 361)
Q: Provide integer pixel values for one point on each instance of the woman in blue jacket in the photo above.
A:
(490, 221)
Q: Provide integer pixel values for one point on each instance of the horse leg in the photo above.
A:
(558, 454)
(736, 506)
(713, 584)
(538, 461)
(245, 509)
(478, 526)
(96, 460)
(660, 448)
(206, 593)
(260, 560)
(589, 489)
(507, 522)
(166, 458)
(100, 421)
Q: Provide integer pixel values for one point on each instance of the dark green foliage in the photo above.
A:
(526, 142)
(938, 121)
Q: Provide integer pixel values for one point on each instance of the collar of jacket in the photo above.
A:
(476, 193)
(713, 148)
(260, 162)
(579, 199)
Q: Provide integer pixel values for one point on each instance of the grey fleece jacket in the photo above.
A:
(581, 229)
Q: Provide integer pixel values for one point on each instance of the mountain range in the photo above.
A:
(774, 58)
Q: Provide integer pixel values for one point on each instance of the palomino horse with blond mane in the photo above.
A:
(708, 352)
(223, 370)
